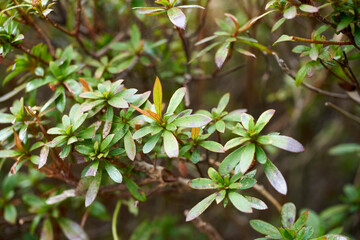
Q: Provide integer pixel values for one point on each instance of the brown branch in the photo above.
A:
(285, 68)
(31, 22)
(343, 112)
(324, 42)
(332, 72)
(262, 191)
(28, 52)
(205, 227)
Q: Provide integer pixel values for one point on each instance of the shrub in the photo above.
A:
(85, 135)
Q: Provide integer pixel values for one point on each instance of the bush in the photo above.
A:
(87, 126)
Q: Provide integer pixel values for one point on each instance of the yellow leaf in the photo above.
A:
(195, 133)
(157, 96)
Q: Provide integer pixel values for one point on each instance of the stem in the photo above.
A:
(285, 68)
(31, 22)
(324, 42)
(331, 72)
(28, 52)
(343, 112)
(114, 220)
(205, 227)
(262, 191)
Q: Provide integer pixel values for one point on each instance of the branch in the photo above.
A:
(205, 227)
(343, 112)
(262, 191)
(324, 42)
(285, 68)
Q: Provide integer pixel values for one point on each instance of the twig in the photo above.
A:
(31, 22)
(285, 68)
(217, 75)
(85, 216)
(343, 112)
(28, 52)
(262, 191)
(324, 42)
(205, 227)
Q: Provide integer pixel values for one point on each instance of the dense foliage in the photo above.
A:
(103, 105)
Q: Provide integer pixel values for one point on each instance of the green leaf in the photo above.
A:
(135, 190)
(260, 155)
(171, 145)
(157, 97)
(286, 143)
(283, 38)
(230, 161)
(177, 17)
(256, 203)
(56, 131)
(65, 152)
(212, 146)
(301, 74)
(222, 54)
(10, 213)
(308, 8)
(113, 172)
(220, 126)
(290, 12)
(220, 196)
(288, 215)
(149, 10)
(263, 120)
(247, 157)
(192, 121)
(93, 189)
(347, 148)
(247, 182)
(71, 229)
(47, 230)
(224, 100)
(118, 102)
(264, 227)
(175, 100)
(344, 22)
(43, 156)
(129, 145)
(87, 133)
(275, 177)
(204, 183)
(235, 142)
(150, 144)
(287, 234)
(191, 6)
(91, 95)
(9, 153)
(6, 118)
(301, 221)
(93, 168)
(247, 120)
(105, 143)
(109, 115)
(356, 37)
(147, 130)
(240, 202)
(199, 208)
(314, 53)
(214, 175)
(195, 156)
